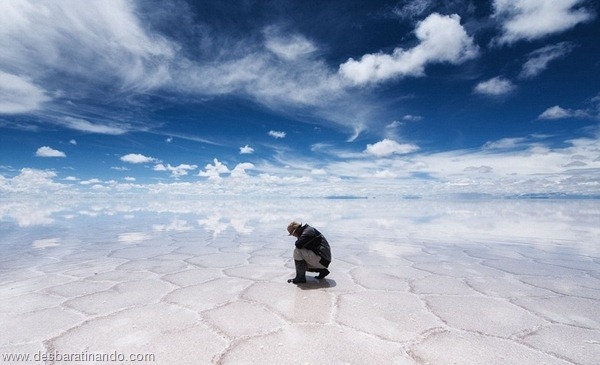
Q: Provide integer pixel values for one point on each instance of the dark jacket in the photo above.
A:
(313, 240)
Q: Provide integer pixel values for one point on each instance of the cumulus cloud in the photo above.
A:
(277, 134)
(49, 152)
(239, 170)
(496, 86)
(19, 95)
(442, 39)
(31, 181)
(246, 150)
(137, 158)
(557, 112)
(388, 147)
(213, 172)
(538, 60)
(535, 19)
(176, 171)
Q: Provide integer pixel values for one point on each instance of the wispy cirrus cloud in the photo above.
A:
(106, 52)
(539, 59)
(287, 46)
(102, 41)
(19, 95)
(89, 127)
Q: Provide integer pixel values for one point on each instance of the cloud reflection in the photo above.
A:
(570, 222)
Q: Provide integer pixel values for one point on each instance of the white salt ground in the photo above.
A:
(411, 283)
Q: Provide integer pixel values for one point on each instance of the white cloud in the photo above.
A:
(412, 118)
(535, 19)
(385, 174)
(277, 134)
(411, 9)
(49, 152)
(102, 41)
(18, 94)
(176, 171)
(91, 182)
(129, 178)
(31, 181)
(239, 170)
(518, 165)
(86, 126)
(505, 143)
(213, 172)
(105, 46)
(556, 112)
(388, 147)
(441, 39)
(480, 169)
(246, 150)
(539, 59)
(496, 86)
(73, 142)
(394, 124)
(287, 47)
(137, 158)
(169, 140)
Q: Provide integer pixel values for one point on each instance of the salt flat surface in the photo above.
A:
(412, 282)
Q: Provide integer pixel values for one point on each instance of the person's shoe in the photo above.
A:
(322, 274)
(300, 272)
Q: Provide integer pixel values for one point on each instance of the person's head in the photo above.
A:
(292, 229)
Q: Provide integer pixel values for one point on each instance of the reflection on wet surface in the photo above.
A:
(413, 282)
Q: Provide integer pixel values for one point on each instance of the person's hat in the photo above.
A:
(292, 227)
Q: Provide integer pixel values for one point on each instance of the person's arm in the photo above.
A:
(309, 239)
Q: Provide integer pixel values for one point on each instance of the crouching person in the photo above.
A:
(312, 252)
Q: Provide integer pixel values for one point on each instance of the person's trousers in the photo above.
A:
(311, 258)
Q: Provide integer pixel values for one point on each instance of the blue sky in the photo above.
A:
(344, 97)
